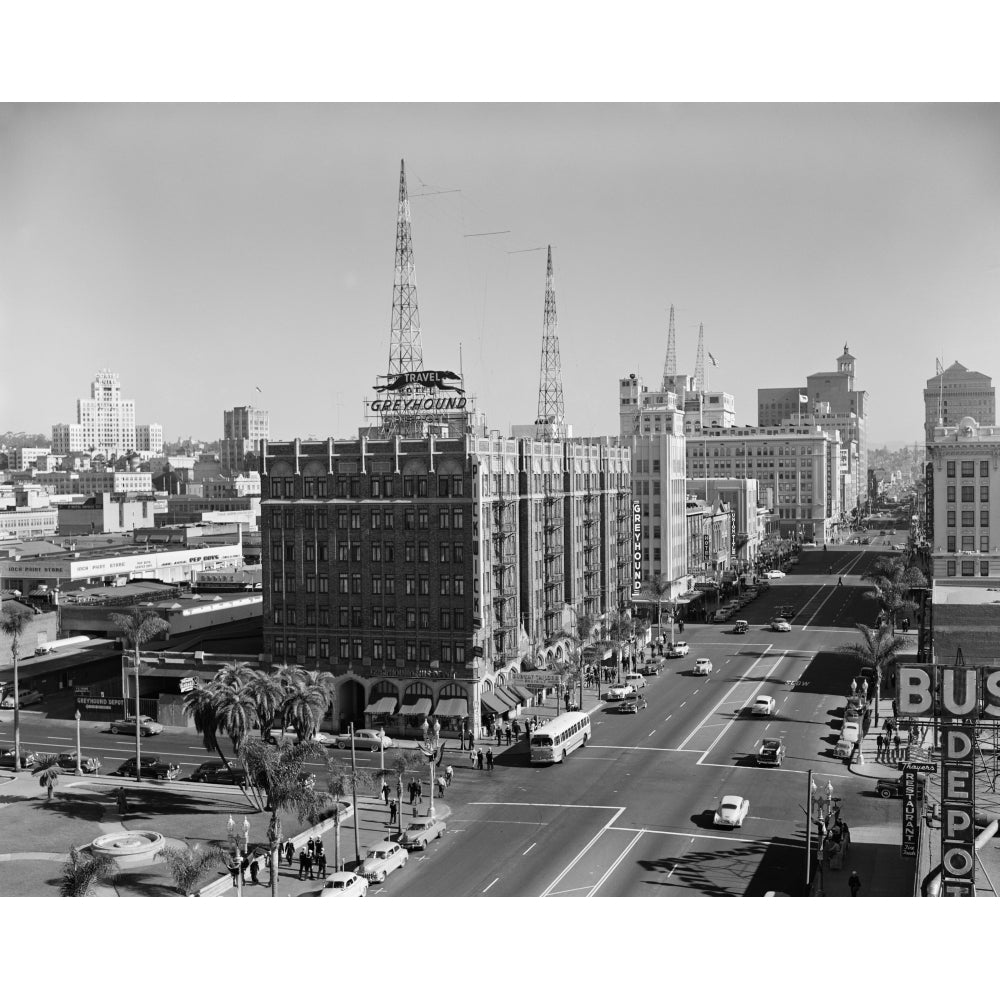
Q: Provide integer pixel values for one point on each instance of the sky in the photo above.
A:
(202, 250)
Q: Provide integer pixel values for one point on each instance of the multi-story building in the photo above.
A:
(243, 428)
(801, 465)
(710, 540)
(149, 439)
(19, 459)
(105, 423)
(106, 512)
(652, 424)
(422, 571)
(743, 500)
(956, 393)
(963, 475)
(844, 411)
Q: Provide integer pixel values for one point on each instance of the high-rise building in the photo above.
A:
(955, 393)
(149, 439)
(243, 428)
(105, 423)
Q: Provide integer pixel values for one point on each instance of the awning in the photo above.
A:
(522, 692)
(504, 695)
(452, 707)
(416, 706)
(385, 705)
(492, 704)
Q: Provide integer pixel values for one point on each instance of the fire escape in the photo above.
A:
(504, 578)
(591, 552)
(552, 555)
(623, 539)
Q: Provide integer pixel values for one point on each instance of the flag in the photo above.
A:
(938, 367)
(714, 363)
(803, 399)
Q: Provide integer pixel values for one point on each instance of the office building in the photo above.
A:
(149, 439)
(955, 393)
(243, 428)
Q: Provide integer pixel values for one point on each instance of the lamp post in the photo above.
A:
(381, 749)
(138, 728)
(79, 762)
(354, 797)
(429, 748)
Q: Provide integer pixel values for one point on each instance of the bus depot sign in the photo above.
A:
(908, 845)
(636, 547)
(408, 393)
(959, 696)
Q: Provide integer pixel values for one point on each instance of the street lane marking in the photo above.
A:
(617, 862)
(668, 718)
(493, 883)
(651, 734)
(548, 805)
(722, 701)
(525, 852)
(590, 843)
(682, 704)
(601, 746)
(700, 836)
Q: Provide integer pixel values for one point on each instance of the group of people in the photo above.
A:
(312, 858)
(248, 865)
(477, 758)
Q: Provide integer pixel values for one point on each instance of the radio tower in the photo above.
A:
(670, 365)
(405, 351)
(700, 378)
(551, 407)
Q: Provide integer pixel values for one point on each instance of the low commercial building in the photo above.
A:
(108, 512)
(41, 626)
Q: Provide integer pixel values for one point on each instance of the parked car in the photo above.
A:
(382, 859)
(808, 545)
(850, 731)
(26, 696)
(780, 625)
(764, 704)
(770, 753)
(364, 739)
(147, 727)
(341, 884)
(421, 832)
(619, 691)
(703, 666)
(722, 615)
(892, 788)
(676, 649)
(89, 765)
(775, 574)
(152, 767)
(216, 773)
(628, 707)
(732, 811)
(651, 668)
(741, 626)
(28, 757)
(844, 748)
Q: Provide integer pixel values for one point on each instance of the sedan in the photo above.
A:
(676, 649)
(341, 884)
(763, 705)
(703, 666)
(775, 574)
(628, 707)
(732, 811)
(89, 765)
(216, 773)
(741, 627)
(780, 625)
(421, 832)
(382, 859)
(851, 731)
(364, 739)
(26, 696)
(147, 727)
(152, 767)
(28, 757)
(619, 691)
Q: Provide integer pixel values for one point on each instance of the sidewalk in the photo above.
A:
(888, 766)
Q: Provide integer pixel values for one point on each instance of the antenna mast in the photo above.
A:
(700, 376)
(551, 419)
(670, 365)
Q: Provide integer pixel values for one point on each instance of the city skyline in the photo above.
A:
(212, 247)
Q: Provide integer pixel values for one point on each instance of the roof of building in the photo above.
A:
(956, 370)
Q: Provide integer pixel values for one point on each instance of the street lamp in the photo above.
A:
(381, 749)
(79, 762)
(429, 748)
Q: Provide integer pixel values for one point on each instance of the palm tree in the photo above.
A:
(892, 580)
(267, 692)
(403, 762)
(656, 587)
(13, 624)
(620, 630)
(83, 871)
(188, 866)
(137, 627)
(278, 771)
(303, 709)
(342, 781)
(877, 650)
(48, 772)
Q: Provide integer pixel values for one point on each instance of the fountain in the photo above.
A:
(130, 848)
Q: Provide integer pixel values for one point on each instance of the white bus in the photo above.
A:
(557, 739)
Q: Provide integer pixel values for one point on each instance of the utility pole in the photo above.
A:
(551, 420)
(354, 798)
(809, 820)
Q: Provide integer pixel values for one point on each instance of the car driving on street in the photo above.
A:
(703, 666)
(619, 691)
(770, 753)
(732, 811)
(741, 627)
(214, 772)
(26, 696)
(89, 765)
(364, 739)
(421, 832)
(382, 859)
(341, 884)
(152, 767)
(775, 574)
(676, 649)
(780, 625)
(763, 704)
(147, 727)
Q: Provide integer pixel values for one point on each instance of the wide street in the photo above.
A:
(631, 814)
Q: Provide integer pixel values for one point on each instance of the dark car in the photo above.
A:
(741, 627)
(892, 788)
(216, 773)
(152, 767)
(28, 757)
(89, 765)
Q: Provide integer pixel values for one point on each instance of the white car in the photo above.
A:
(775, 574)
(808, 545)
(703, 666)
(618, 692)
(364, 739)
(26, 696)
(382, 859)
(147, 727)
(341, 884)
(421, 832)
(851, 732)
(763, 705)
(679, 648)
(780, 625)
(732, 811)
(635, 681)
(288, 735)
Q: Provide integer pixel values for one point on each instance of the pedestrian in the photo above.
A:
(289, 851)
(878, 745)
(854, 883)
(321, 861)
(840, 581)
(449, 773)
(680, 626)
(234, 870)
(499, 736)
(507, 733)
(310, 847)
(122, 799)
(516, 728)
(255, 870)
(566, 700)
(894, 709)
(442, 785)
(385, 791)
(479, 758)
(303, 861)
(472, 756)
(896, 741)
(413, 792)
(392, 813)
(489, 759)
(419, 789)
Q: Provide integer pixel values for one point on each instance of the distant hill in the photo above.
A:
(22, 439)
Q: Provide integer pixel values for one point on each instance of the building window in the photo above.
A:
(425, 586)
(968, 567)
(457, 519)
(356, 648)
(310, 583)
(324, 649)
(390, 620)
(951, 472)
(344, 617)
(446, 619)
(345, 649)
(276, 583)
(311, 648)
(276, 616)
(951, 494)
(445, 653)
(968, 469)
(443, 486)
(310, 616)
(324, 583)
(425, 619)
(459, 617)
(390, 586)
(984, 567)
(410, 552)
(951, 519)
(968, 543)
(445, 588)
(457, 486)
(409, 486)
(411, 586)
(984, 518)
(376, 585)
(292, 653)
(968, 519)
(376, 520)
(459, 553)
(343, 551)
(951, 544)
(279, 647)
(422, 518)
(390, 520)
(425, 652)
(342, 584)
(390, 649)
(376, 487)
(459, 654)
(445, 552)
(390, 552)
(409, 519)
(356, 583)
(310, 551)
(342, 520)
(984, 493)
(376, 617)
(425, 552)
(968, 494)
(411, 650)
(444, 518)
(459, 587)
(984, 470)
(324, 616)
(376, 552)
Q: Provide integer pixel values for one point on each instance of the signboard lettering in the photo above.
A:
(908, 847)
(636, 547)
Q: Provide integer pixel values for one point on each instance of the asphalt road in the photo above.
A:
(631, 814)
